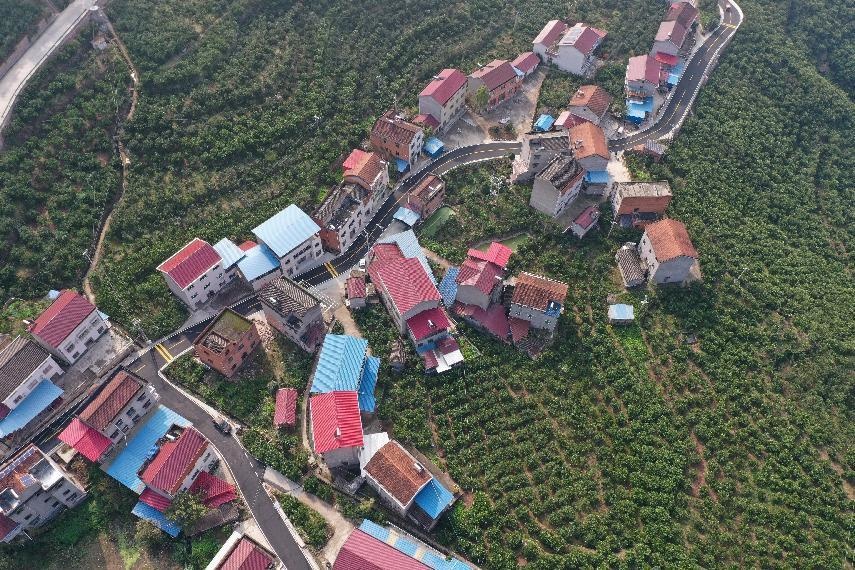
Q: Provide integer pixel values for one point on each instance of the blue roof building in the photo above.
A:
(544, 123)
(448, 286)
(258, 262)
(433, 499)
(157, 518)
(407, 216)
(676, 73)
(433, 147)
(286, 230)
(344, 365)
(230, 252)
(35, 403)
(401, 165)
(412, 547)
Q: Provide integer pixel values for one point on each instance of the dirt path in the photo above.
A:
(441, 261)
(342, 315)
(126, 163)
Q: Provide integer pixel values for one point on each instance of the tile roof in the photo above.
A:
(369, 167)
(587, 140)
(583, 37)
(409, 246)
(247, 555)
(88, 441)
(550, 33)
(563, 172)
(7, 525)
(526, 61)
(362, 551)
(683, 12)
(229, 252)
(286, 230)
(398, 472)
(426, 120)
(428, 323)
(155, 499)
(336, 422)
(339, 365)
(18, 360)
(405, 281)
(444, 85)
(61, 318)
(497, 253)
(190, 262)
(670, 239)
(495, 74)
(482, 275)
(671, 31)
(43, 396)
(629, 263)
(355, 157)
(113, 397)
(593, 97)
(643, 68)
(286, 297)
(566, 119)
(666, 58)
(285, 413)
(355, 287)
(213, 490)
(433, 499)
(174, 461)
(393, 128)
(538, 292)
(428, 188)
(587, 217)
(519, 328)
(494, 319)
(258, 262)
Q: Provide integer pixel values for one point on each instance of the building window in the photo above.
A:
(18, 398)
(47, 370)
(146, 405)
(115, 434)
(101, 329)
(120, 422)
(75, 355)
(28, 517)
(72, 497)
(202, 278)
(69, 348)
(36, 520)
(64, 493)
(125, 429)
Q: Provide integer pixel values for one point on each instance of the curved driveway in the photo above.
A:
(684, 93)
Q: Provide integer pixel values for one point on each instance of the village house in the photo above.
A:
(117, 408)
(344, 365)
(27, 372)
(176, 465)
(33, 490)
(574, 52)
(294, 238)
(639, 203)
(427, 196)
(642, 76)
(194, 273)
(294, 311)
(684, 13)
(590, 102)
(585, 222)
(548, 36)
(670, 38)
(669, 254)
(557, 185)
(356, 291)
(498, 78)
(590, 148)
(537, 149)
(632, 271)
(443, 100)
(482, 275)
(350, 206)
(526, 62)
(285, 410)
(240, 552)
(259, 265)
(336, 428)
(538, 300)
(227, 342)
(395, 138)
(230, 254)
(69, 326)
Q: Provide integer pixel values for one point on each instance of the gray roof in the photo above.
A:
(286, 297)
(17, 361)
(629, 263)
(643, 189)
(560, 171)
(557, 140)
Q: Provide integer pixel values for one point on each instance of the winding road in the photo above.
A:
(683, 96)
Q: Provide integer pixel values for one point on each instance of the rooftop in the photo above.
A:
(428, 188)
(683, 12)
(18, 360)
(247, 555)
(673, 31)
(340, 363)
(88, 441)
(287, 297)
(428, 323)
(371, 165)
(481, 274)
(258, 262)
(643, 68)
(405, 281)
(583, 37)
(587, 140)
(229, 252)
(285, 413)
(669, 239)
(498, 254)
(174, 461)
(555, 140)
(629, 263)
(286, 230)
(61, 318)
(643, 189)
(395, 129)
(444, 85)
(227, 327)
(361, 551)
(593, 97)
(563, 172)
(40, 399)
(526, 61)
(538, 292)
(495, 74)
(113, 397)
(398, 472)
(336, 422)
(356, 288)
(550, 32)
(190, 262)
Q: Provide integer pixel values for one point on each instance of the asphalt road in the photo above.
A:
(687, 88)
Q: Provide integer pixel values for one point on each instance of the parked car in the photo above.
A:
(223, 426)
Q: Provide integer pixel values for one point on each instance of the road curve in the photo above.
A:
(683, 96)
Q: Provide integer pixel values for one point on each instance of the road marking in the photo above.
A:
(164, 353)
(138, 369)
(172, 348)
(331, 269)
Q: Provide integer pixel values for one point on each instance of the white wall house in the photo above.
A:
(295, 239)
(668, 252)
(23, 365)
(69, 326)
(574, 52)
(444, 98)
(194, 273)
(557, 186)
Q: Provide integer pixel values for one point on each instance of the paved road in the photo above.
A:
(687, 88)
(15, 79)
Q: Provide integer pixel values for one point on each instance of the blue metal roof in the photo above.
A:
(339, 363)
(367, 383)
(407, 216)
(676, 73)
(126, 465)
(544, 123)
(645, 104)
(401, 165)
(433, 147)
(410, 247)
(259, 261)
(407, 547)
(436, 562)
(286, 230)
(157, 518)
(412, 547)
(434, 498)
(448, 286)
(597, 176)
(230, 252)
(35, 403)
(371, 528)
(622, 312)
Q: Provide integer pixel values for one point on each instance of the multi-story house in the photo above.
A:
(642, 76)
(119, 406)
(33, 490)
(294, 238)
(667, 251)
(395, 137)
(548, 36)
(345, 365)
(194, 273)
(684, 13)
(538, 300)
(557, 185)
(294, 311)
(590, 102)
(427, 196)
(231, 254)
(336, 427)
(640, 203)
(443, 101)
(259, 265)
(177, 463)
(227, 342)
(537, 149)
(482, 275)
(26, 387)
(574, 52)
(498, 79)
(69, 326)
(670, 38)
(526, 62)
(590, 148)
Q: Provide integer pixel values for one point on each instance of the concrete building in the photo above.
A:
(194, 273)
(669, 254)
(396, 476)
(69, 326)
(632, 270)
(33, 490)
(498, 78)
(590, 148)
(585, 222)
(574, 52)
(345, 365)
(393, 137)
(548, 37)
(640, 203)
(294, 311)
(537, 149)
(590, 102)
(557, 186)
(179, 460)
(356, 291)
(227, 342)
(24, 365)
(538, 300)
(526, 62)
(230, 254)
(670, 39)
(294, 238)
(481, 277)
(642, 76)
(443, 101)
(427, 196)
(336, 428)
(119, 406)
(240, 552)
(259, 265)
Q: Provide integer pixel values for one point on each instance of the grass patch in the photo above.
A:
(436, 221)
(312, 526)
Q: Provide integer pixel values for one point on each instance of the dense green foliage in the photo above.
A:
(20, 19)
(186, 509)
(311, 525)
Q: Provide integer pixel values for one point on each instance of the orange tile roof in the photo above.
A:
(537, 292)
(593, 97)
(587, 139)
(670, 239)
(395, 469)
(367, 169)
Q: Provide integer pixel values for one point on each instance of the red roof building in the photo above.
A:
(590, 102)
(174, 461)
(498, 254)
(444, 85)
(403, 282)
(285, 413)
(566, 120)
(670, 239)
(398, 474)
(671, 32)
(58, 321)
(212, 490)
(155, 499)
(589, 145)
(443, 100)
(682, 12)
(247, 245)
(89, 442)
(362, 551)
(355, 157)
(526, 62)
(551, 33)
(118, 392)
(247, 555)
(336, 423)
(190, 262)
(667, 251)
(499, 79)
(394, 137)
(587, 40)
(642, 75)
(428, 323)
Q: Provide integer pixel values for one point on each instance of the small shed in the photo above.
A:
(356, 292)
(621, 314)
(544, 123)
(406, 216)
(285, 414)
(401, 165)
(585, 221)
(433, 147)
